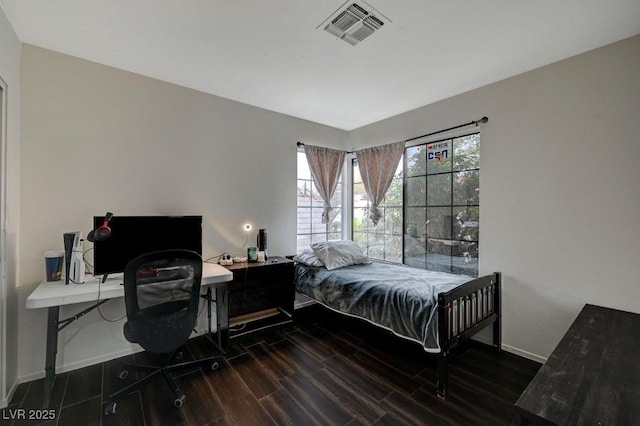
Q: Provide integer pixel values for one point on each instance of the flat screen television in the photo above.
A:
(132, 236)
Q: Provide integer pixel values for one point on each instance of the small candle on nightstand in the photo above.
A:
(261, 256)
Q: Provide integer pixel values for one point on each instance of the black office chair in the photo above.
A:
(162, 293)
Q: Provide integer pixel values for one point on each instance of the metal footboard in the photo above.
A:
(466, 311)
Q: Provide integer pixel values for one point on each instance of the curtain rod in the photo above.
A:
(299, 144)
(471, 123)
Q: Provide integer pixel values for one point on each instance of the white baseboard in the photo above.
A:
(92, 361)
(81, 364)
(5, 402)
(524, 354)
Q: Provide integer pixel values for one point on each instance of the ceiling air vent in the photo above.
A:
(362, 30)
(353, 23)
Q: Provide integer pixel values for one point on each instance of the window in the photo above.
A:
(310, 226)
(433, 202)
(384, 240)
(442, 205)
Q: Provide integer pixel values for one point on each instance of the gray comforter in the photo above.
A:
(396, 297)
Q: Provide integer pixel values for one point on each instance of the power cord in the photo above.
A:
(89, 267)
(217, 256)
(99, 310)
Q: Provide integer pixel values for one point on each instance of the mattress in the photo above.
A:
(396, 297)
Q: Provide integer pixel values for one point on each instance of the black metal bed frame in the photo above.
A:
(463, 312)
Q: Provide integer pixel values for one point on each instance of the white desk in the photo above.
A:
(57, 293)
(52, 295)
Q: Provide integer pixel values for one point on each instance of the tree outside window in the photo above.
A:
(310, 228)
(431, 211)
(384, 240)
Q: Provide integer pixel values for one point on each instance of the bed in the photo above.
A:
(435, 309)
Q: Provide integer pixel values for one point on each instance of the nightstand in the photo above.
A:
(261, 294)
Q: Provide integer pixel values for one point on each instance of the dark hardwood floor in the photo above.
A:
(323, 369)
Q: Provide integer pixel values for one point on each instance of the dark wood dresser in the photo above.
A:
(261, 290)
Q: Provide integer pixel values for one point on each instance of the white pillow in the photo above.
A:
(339, 253)
(309, 258)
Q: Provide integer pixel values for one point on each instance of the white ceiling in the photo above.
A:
(269, 53)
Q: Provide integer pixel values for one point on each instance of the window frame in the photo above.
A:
(385, 235)
(452, 206)
(344, 213)
(443, 137)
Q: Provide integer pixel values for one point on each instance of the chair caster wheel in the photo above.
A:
(123, 374)
(215, 366)
(110, 408)
(179, 401)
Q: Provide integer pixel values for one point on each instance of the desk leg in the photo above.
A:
(50, 356)
(222, 315)
(208, 298)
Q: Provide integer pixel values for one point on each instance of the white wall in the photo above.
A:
(96, 138)
(559, 204)
(10, 74)
(560, 214)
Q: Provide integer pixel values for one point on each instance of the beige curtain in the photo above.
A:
(377, 166)
(326, 166)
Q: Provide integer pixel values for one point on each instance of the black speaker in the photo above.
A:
(262, 240)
